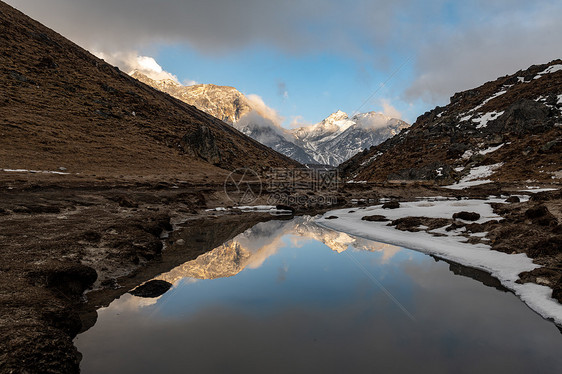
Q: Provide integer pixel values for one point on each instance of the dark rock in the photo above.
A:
(467, 216)
(332, 217)
(547, 247)
(375, 218)
(126, 202)
(536, 212)
(456, 150)
(524, 116)
(546, 196)
(513, 199)
(391, 205)
(153, 288)
(92, 236)
(541, 216)
(201, 143)
(71, 279)
(454, 226)
(407, 223)
(47, 62)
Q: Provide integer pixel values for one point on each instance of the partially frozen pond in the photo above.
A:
(292, 297)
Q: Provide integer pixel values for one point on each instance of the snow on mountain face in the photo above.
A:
(338, 138)
(329, 142)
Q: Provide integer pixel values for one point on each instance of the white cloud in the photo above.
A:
(455, 45)
(257, 103)
(298, 121)
(390, 111)
(497, 44)
(130, 61)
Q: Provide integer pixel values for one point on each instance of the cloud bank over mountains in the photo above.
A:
(454, 46)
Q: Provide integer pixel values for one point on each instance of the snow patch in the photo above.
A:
(549, 70)
(475, 177)
(490, 150)
(453, 247)
(483, 120)
(490, 98)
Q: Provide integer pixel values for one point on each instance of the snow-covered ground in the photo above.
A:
(477, 176)
(453, 247)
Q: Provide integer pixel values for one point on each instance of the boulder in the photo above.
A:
(467, 216)
(391, 205)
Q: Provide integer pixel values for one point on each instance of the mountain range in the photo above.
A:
(506, 130)
(329, 142)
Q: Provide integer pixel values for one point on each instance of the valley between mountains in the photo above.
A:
(109, 180)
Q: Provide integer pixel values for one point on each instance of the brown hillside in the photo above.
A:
(62, 107)
(446, 142)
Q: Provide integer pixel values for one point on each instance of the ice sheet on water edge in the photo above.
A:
(503, 266)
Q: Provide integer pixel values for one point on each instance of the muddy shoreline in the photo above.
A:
(61, 237)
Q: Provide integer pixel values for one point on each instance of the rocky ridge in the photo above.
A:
(507, 130)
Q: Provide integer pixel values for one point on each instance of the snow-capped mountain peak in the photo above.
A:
(330, 142)
(339, 119)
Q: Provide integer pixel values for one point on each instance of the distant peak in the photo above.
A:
(339, 115)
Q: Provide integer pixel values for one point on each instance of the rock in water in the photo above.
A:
(153, 288)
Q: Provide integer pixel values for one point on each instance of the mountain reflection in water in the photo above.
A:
(291, 297)
(251, 248)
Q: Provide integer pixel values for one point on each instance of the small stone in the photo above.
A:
(513, 199)
(375, 218)
(391, 205)
(467, 216)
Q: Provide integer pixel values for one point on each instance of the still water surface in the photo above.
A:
(291, 297)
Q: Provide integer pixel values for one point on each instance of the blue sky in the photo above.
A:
(309, 58)
(301, 87)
